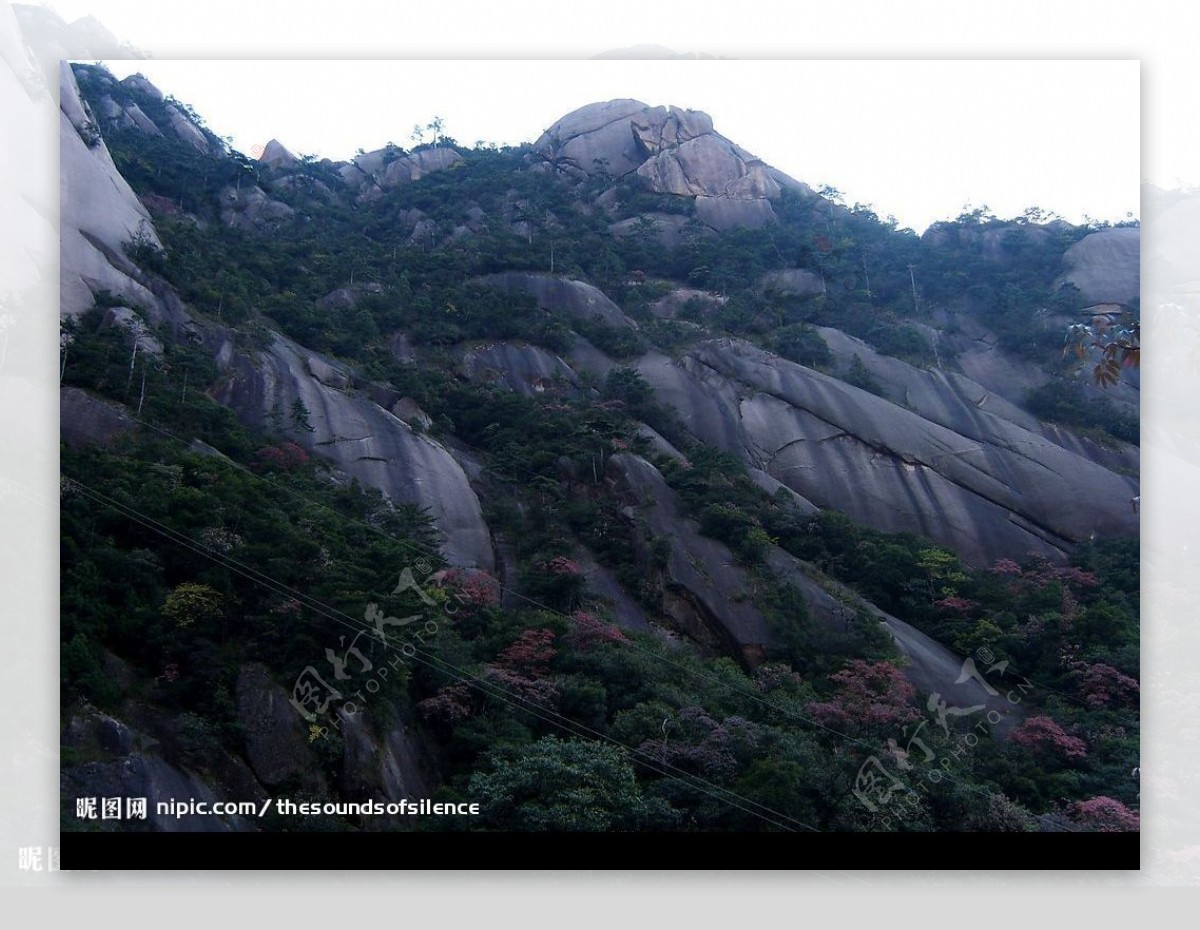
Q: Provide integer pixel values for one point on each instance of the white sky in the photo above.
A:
(917, 139)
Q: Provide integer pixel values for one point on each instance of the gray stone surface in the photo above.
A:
(187, 131)
(385, 767)
(668, 307)
(574, 299)
(89, 420)
(795, 281)
(664, 228)
(707, 594)
(276, 155)
(374, 172)
(986, 488)
(99, 214)
(960, 403)
(362, 438)
(251, 208)
(673, 151)
(1106, 265)
(526, 369)
(276, 734)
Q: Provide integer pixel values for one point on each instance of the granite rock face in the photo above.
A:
(251, 208)
(672, 151)
(708, 595)
(374, 172)
(346, 425)
(276, 734)
(1106, 265)
(574, 299)
(975, 481)
(99, 214)
(276, 155)
(523, 368)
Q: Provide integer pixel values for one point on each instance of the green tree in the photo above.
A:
(561, 785)
(193, 603)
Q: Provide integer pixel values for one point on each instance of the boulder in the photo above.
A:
(796, 282)
(276, 746)
(187, 131)
(672, 151)
(411, 413)
(251, 208)
(707, 594)
(1106, 265)
(669, 307)
(276, 155)
(388, 767)
(138, 84)
(574, 299)
(328, 374)
(89, 420)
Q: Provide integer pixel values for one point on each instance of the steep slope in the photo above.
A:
(100, 213)
(994, 490)
(349, 428)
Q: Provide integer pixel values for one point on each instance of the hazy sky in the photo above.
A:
(918, 140)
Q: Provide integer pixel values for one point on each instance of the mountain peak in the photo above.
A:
(673, 151)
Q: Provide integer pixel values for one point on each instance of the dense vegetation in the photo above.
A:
(188, 563)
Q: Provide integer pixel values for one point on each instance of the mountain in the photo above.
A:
(637, 404)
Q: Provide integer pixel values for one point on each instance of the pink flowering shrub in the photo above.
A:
(956, 604)
(870, 695)
(589, 630)
(1105, 815)
(449, 707)
(471, 586)
(1104, 686)
(284, 456)
(1042, 735)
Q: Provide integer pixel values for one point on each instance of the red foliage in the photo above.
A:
(451, 705)
(541, 692)
(531, 653)
(1006, 567)
(286, 456)
(1105, 815)
(960, 605)
(522, 668)
(1042, 735)
(869, 695)
(590, 630)
(1041, 572)
(472, 586)
(1102, 685)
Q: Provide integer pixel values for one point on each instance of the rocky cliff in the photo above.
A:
(672, 151)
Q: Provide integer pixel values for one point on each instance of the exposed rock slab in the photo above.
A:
(574, 299)
(993, 491)
(90, 420)
(672, 151)
(99, 213)
(1106, 265)
(520, 367)
(362, 438)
